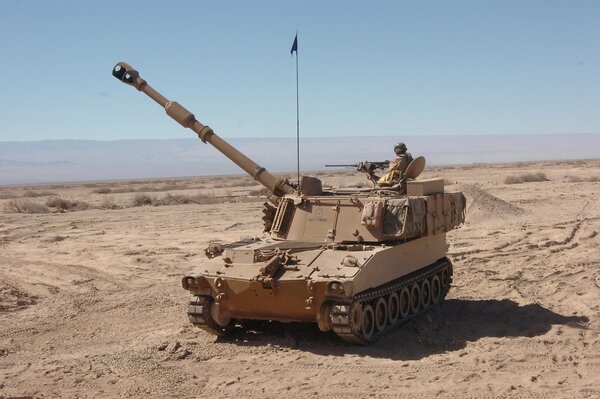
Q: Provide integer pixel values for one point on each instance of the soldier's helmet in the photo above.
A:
(400, 148)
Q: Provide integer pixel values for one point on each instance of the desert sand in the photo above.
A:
(91, 303)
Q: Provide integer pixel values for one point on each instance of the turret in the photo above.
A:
(279, 187)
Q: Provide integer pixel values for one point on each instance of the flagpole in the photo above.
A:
(297, 121)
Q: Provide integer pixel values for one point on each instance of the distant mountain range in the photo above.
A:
(86, 160)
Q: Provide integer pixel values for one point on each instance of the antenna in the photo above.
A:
(295, 49)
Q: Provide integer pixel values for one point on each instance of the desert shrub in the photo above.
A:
(199, 198)
(172, 187)
(171, 199)
(261, 192)
(179, 199)
(235, 184)
(167, 187)
(117, 190)
(25, 206)
(64, 205)
(142, 199)
(59, 203)
(32, 194)
(122, 190)
(109, 203)
(573, 179)
(537, 176)
(146, 188)
(578, 179)
(525, 178)
(512, 179)
(102, 190)
(244, 183)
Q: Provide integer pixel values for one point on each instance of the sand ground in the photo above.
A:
(91, 303)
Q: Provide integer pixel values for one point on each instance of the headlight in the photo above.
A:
(336, 288)
(188, 282)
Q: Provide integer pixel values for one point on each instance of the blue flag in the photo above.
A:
(295, 45)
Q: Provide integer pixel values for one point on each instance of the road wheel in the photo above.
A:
(404, 302)
(436, 289)
(368, 322)
(415, 298)
(425, 294)
(381, 314)
(393, 305)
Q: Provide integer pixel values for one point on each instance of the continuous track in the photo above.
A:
(350, 321)
(199, 315)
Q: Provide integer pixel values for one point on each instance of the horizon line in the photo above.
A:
(310, 137)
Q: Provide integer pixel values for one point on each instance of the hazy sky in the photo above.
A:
(366, 68)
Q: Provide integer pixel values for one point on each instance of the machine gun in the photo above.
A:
(365, 166)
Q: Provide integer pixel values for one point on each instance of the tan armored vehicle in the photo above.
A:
(355, 261)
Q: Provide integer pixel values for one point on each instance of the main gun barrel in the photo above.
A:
(185, 118)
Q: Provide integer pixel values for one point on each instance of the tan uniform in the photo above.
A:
(400, 163)
(396, 170)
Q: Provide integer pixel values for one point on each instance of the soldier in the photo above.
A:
(402, 160)
(397, 167)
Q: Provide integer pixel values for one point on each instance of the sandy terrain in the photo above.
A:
(91, 303)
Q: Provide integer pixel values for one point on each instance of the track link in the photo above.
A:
(199, 314)
(346, 318)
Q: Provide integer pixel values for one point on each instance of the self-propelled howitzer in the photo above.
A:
(355, 261)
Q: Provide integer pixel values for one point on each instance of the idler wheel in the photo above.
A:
(436, 289)
(368, 322)
(425, 294)
(404, 298)
(381, 314)
(393, 307)
(415, 298)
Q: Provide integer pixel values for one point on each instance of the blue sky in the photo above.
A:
(366, 68)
